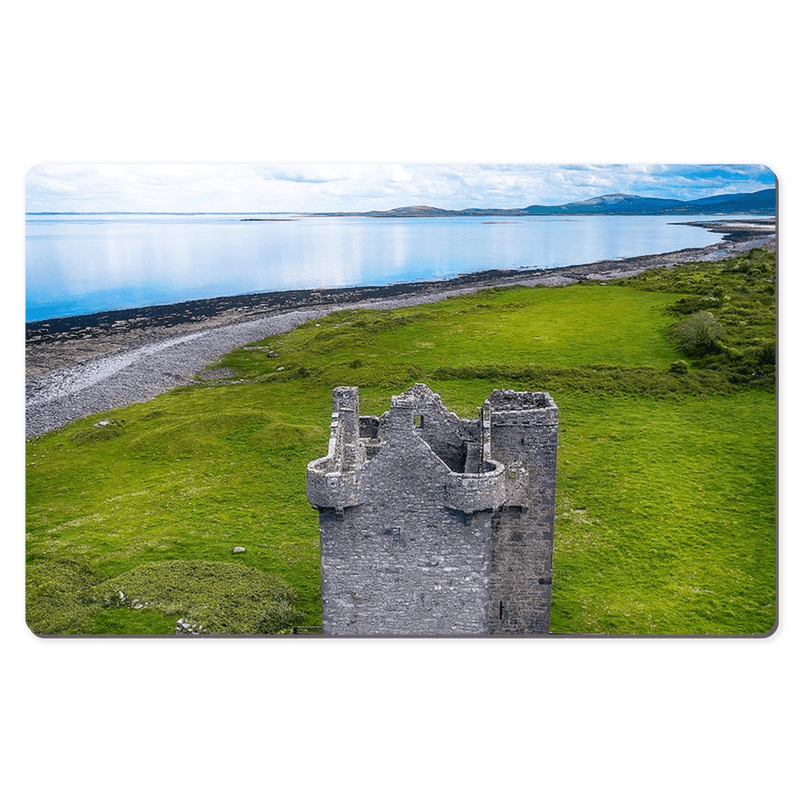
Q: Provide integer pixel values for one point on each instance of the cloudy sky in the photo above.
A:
(365, 187)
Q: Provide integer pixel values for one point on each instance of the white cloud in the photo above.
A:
(363, 187)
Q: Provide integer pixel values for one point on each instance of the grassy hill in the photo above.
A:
(665, 519)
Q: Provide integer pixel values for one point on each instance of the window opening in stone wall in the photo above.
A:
(418, 421)
(501, 609)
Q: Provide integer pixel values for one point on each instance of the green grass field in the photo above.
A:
(665, 519)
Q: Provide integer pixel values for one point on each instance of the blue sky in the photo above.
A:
(365, 187)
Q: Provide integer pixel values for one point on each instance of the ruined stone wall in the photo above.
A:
(401, 562)
(441, 429)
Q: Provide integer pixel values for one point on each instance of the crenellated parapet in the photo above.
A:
(337, 490)
(484, 491)
(522, 408)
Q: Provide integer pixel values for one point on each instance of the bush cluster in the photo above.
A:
(726, 321)
(698, 334)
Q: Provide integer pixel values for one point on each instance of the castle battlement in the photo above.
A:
(433, 524)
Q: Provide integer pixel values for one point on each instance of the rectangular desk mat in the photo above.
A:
(401, 400)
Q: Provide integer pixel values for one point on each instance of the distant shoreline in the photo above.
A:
(66, 341)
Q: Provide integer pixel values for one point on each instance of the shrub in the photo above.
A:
(693, 303)
(679, 367)
(766, 353)
(698, 334)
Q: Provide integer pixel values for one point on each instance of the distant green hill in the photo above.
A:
(761, 202)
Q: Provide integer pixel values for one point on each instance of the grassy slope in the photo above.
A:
(665, 518)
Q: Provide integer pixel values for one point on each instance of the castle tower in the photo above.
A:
(525, 439)
(435, 525)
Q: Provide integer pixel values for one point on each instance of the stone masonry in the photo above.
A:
(435, 525)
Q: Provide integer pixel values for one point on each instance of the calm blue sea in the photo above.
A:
(78, 264)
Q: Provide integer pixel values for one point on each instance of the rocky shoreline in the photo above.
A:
(85, 364)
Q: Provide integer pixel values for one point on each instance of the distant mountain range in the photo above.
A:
(762, 202)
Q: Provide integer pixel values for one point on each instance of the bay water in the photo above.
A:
(84, 263)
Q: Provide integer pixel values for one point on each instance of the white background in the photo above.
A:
(612, 82)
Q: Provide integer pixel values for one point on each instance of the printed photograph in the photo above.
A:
(401, 400)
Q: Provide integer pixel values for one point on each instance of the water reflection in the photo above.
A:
(78, 264)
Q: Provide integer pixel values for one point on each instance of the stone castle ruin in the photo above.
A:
(435, 525)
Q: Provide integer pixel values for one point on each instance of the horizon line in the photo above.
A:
(413, 205)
